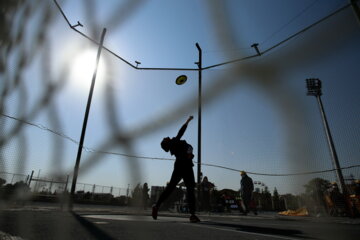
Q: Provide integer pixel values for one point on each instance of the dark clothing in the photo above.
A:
(145, 195)
(181, 149)
(246, 200)
(247, 188)
(357, 189)
(247, 185)
(181, 173)
(205, 188)
(182, 169)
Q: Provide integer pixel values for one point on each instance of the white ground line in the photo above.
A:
(277, 224)
(101, 222)
(166, 219)
(245, 232)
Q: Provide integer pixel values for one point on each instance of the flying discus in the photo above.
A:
(181, 79)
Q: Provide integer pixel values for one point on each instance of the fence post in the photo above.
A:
(51, 183)
(31, 177)
(66, 184)
(12, 179)
(36, 184)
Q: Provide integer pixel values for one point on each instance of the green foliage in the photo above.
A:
(314, 194)
(275, 193)
(2, 182)
(14, 192)
(276, 200)
(292, 202)
(137, 196)
(316, 185)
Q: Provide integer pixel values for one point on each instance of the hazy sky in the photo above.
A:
(255, 115)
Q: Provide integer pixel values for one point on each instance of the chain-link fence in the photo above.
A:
(256, 115)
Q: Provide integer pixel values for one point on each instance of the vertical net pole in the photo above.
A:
(82, 137)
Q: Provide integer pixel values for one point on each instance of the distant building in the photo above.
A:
(103, 197)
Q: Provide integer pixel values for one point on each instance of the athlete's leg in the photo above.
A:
(175, 179)
(189, 180)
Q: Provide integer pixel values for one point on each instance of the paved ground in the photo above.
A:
(94, 222)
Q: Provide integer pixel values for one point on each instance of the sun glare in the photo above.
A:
(83, 68)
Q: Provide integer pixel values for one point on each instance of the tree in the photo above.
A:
(2, 182)
(276, 200)
(137, 196)
(17, 191)
(316, 185)
(275, 193)
(289, 201)
(145, 195)
(266, 199)
(315, 190)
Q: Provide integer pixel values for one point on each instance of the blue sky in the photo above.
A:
(259, 119)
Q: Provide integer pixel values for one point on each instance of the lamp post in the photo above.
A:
(314, 89)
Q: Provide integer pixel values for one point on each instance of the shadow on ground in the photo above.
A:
(258, 229)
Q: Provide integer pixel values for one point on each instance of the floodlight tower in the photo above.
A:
(314, 89)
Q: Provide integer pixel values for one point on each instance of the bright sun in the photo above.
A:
(83, 68)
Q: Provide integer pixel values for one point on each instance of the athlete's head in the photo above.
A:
(165, 144)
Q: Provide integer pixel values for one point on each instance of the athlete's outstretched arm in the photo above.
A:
(183, 128)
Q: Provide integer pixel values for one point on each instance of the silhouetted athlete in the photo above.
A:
(183, 169)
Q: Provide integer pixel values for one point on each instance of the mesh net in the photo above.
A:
(255, 113)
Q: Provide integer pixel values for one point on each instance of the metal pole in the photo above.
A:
(76, 168)
(31, 177)
(12, 179)
(51, 183)
(36, 184)
(66, 184)
(334, 156)
(199, 120)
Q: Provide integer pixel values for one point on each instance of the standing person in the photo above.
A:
(183, 169)
(145, 195)
(357, 187)
(205, 188)
(247, 188)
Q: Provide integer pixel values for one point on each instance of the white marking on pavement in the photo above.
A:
(180, 220)
(272, 224)
(138, 218)
(245, 232)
